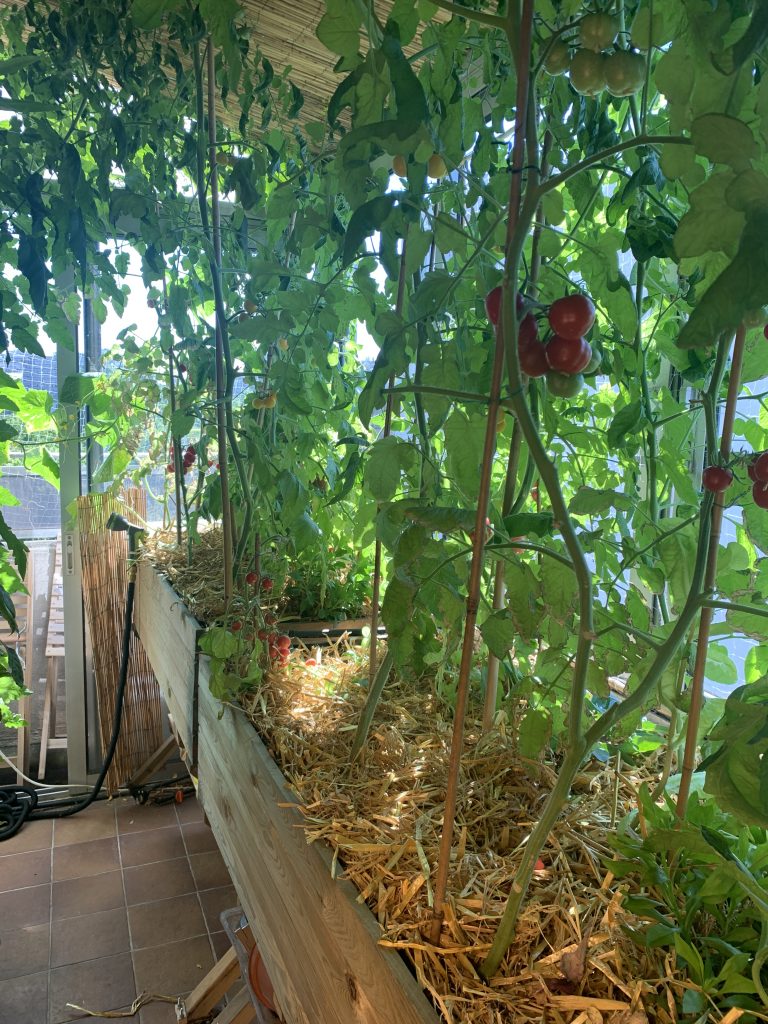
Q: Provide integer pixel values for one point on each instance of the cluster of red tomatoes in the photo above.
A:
(566, 355)
(718, 479)
(278, 645)
(253, 579)
(187, 459)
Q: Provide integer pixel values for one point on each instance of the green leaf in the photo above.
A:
(499, 633)
(31, 262)
(741, 287)
(737, 772)
(678, 555)
(388, 457)
(559, 589)
(464, 438)
(77, 389)
(530, 524)
(534, 733)
(523, 599)
(439, 519)
(711, 223)
(627, 421)
(432, 294)
(181, 423)
(339, 27)
(218, 642)
(366, 220)
(592, 501)
(148, 14)
(719, 666)
(723, 140)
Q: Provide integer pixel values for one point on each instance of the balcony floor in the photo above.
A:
(96, 908)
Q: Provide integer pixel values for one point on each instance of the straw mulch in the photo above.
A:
(200, 583)
(571, 962)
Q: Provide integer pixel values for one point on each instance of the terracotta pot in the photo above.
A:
(259, 981)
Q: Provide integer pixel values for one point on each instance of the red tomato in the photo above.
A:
(568, 355)
(760, 468)
(539, 865)
(571, 316)
(527, 332)
(252, 579)
(493, 304)
(266, 583)
(236, 626)
(533, 359)
(716, 479)
(262, 634)
(284, 642)
(310, 662)
(760, 494)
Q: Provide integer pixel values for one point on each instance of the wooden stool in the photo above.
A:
(211, 990)
(54, 653)
(243, 1008)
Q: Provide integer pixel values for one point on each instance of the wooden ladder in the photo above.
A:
(23, 643)
(54, 653)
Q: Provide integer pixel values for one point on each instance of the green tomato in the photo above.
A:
(624, 73)
(594, 363)
(557, 59)
(597, 31)
(564, 385)
(587, 72)
(755, 317)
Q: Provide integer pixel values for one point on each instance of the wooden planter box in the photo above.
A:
(320, 946)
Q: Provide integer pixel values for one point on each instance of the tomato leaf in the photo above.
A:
(626, 422)
(499, 633)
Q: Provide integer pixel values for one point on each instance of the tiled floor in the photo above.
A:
(114, 901)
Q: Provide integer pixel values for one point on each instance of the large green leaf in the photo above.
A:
(737, 772)
(498, 631)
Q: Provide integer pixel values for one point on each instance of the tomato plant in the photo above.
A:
(363, 373)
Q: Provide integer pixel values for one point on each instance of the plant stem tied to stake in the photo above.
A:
(376, 593)
(476, 568)
(705, 622)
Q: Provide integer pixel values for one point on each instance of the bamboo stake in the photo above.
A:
(221, 377)
(475, 573)
(707, 612)
(376, 595)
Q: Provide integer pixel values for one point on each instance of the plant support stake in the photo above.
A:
(376, 592)
(475, 573)
(705, 622)
(221, 387)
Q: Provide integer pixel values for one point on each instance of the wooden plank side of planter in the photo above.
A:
(169, 635)
(319, 945)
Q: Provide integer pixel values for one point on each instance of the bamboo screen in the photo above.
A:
(103, 555)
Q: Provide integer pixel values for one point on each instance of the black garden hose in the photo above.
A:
(20, 803)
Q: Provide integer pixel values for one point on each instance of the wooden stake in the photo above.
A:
(705, 622)
(476, 568)
(221, 376)
(376, 595)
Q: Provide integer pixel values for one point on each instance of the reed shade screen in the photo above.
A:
(284, 31)
(104, 557)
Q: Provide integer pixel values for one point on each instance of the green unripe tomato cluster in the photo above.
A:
(591, 70)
